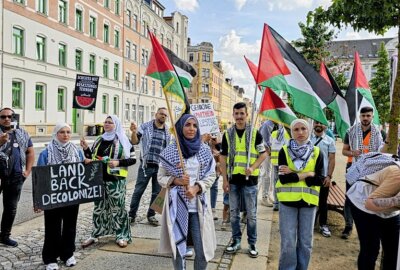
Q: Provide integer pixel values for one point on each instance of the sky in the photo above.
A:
(234, 27)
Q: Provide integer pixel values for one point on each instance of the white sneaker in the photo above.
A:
(267, 202)
(324, 230)
(71, 262)
(52, 266)
(189, 252)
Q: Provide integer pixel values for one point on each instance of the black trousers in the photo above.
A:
(373, 231)
(11, 190)
(323, 205)
(59, 233)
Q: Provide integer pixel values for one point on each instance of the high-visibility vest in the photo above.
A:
(116, 171)
(294, 192)
(365, 144)
(240, 159)
(277, 146)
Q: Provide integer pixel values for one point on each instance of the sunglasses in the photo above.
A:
(6, 116)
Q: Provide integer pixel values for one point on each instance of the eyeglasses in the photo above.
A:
(6, 116)
(108, 122)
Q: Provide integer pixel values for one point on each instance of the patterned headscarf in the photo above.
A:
(59, 152)
(189, 147)
(119, 134)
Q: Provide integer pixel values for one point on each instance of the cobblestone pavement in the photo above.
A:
(28, 254)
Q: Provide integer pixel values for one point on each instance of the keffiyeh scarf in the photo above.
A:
(300, 154)
(58, 154)
(356, 138)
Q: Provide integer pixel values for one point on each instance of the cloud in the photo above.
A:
(287, 5)
(239, 4)
(350, 34)
(187, 5)
(231, 45)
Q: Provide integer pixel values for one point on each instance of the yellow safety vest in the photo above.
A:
(293, 192)
(116, 171)
(240, 159)
(275, 147)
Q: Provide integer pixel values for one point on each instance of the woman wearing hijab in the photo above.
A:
(300, 178)
(186, 209)
(60, 223)
(109, 214)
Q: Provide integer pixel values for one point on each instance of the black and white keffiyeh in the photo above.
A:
(57, 152)
(356, 138)
(300, 154)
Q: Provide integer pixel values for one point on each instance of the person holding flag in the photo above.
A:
(240, 180)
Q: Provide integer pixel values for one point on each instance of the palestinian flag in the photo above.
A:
(309, 91)
(161, 68)
(359, 83)
(272, 107)
(185, 71)
(338, 105)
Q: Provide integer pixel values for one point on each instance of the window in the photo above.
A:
(153, 87)
(127, 81)
(128, 49)
(191, 57)
(105, 68)
(117, 6)
(18, 41)
(161, 90)
(126, 112)
(106, 33)
(39, 97)
(61, 99)
(62, 11)
(20, 2)
(205, 88)
(17, 95)
(104, 102)
(115, 105)
(205, 73)
(135, 22)
(78, 60)
(133, 82)
(62, 55)
(145, 57)
(206, 57)
(177, 27)
(116, 39)
(134, 52)
(133, 112)
(107, 3)
(41, 48)
(128, 18)
(116, 71)
(42, 6)
(92, 64)
(78, 20)
(92, 26)
(141, 114)
(162, 38)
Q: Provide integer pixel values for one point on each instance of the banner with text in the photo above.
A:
(67, 184)
(85, 93)
(205, 114)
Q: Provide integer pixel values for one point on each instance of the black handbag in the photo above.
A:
(7, 159)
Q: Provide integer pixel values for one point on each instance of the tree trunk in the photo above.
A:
(395, 106)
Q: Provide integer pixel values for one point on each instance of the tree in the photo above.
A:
(375, 16)
(380, 84)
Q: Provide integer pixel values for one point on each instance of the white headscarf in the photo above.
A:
(119, 133)
(59, 152)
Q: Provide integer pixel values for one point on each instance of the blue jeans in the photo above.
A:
(249, 194)
(265, 176)
(200, 262)
(142, 181)
(296, 227)
(214, 193)
(275, 173)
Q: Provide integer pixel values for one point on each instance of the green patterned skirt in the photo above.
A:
(109, 215)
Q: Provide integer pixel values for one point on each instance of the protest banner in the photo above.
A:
(67, 184)
(205, 114)
(85, 93)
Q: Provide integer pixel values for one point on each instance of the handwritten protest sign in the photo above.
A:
(67, 184)
(205, 114)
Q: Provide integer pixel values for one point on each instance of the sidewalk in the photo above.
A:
(142, 253)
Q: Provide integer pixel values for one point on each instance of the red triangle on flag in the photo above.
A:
(360, 79)
(271, 101)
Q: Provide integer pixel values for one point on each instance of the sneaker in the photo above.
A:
(253, 252)
(346, 232)
(52, 266)
(122, 243)
(214, 214)
(88, 242)
(225, 225)
(132, 220)
(324, 230)
(244, 218)
(233, 247)
(189, 252)
(153, 221)
(9, 242)
(71, 262)
(267, 202)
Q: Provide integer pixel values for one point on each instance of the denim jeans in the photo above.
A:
(373, 231)
(296, 227)
(142, 181)
(249, 195)
(200, 262)
(12, 188)
(265, 176)
(214, 193)
(275, 174)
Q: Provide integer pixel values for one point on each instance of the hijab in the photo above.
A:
(300, 154)
(189, 147)
(119, 134)
(59, 152)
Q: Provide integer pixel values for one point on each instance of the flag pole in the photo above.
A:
(251, 129)
(356, 122)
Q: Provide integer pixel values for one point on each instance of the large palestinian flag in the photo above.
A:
(184, 70)
(161, 68)
(309, 91)
(338, 105)
(359, 87)
(272, 107)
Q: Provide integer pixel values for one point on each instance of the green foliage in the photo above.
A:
(380, 84)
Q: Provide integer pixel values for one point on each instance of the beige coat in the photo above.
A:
(167, 242)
